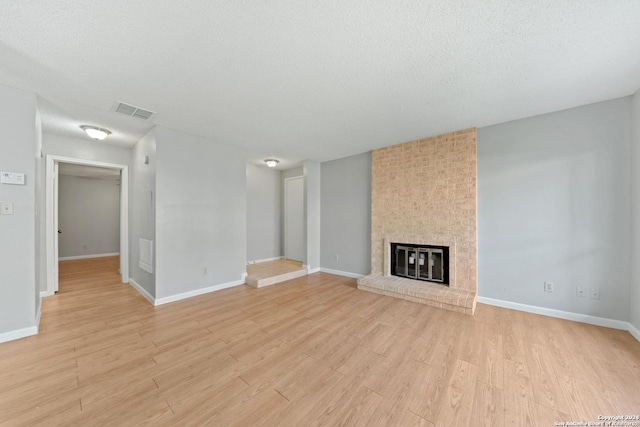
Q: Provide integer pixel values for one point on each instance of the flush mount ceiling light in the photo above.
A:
(272, 163)
(96, 132)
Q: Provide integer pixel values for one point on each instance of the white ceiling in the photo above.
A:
(318, 80)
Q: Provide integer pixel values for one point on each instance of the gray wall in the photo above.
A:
(200, 213)
(18, 142)
(88, 215)
(292, 173)
(634, 300)
(346, 214)
(553, 194)
(142, 218)
(312, 213)
(264, 211)
(85, 148)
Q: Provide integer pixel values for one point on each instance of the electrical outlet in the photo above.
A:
(548, 286)
(337, 257)
(580, 292)
(595, 293)
(204, 271)
(6, 208)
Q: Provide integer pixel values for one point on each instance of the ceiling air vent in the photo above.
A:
(133, 111)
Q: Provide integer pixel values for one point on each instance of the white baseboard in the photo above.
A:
(178, 297)
(18, 333)
(312, 270)
(142, 291)
(634, 331)
(185, 295)
(577, 317)
(244, 275)
(258, 261)
(67, 258)
(341, 273)
(44, 294)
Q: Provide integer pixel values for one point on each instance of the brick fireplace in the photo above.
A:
(423, 192)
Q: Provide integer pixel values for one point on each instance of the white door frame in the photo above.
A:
(50, 217)
(286, 180)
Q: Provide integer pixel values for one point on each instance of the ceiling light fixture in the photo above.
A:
(272, 163)
(96, 132)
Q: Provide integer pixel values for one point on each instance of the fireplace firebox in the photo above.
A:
(420, 262)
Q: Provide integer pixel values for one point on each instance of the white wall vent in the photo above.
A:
(133, 111)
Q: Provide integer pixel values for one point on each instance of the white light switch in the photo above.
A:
(6, 208)
(12, 178)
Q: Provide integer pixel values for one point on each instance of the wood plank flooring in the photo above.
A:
(311, 351)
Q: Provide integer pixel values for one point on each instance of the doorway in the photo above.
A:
(52, 219)
(88, 212)
(294, 218)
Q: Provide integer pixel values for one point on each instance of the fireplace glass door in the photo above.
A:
(424, 267)
(420, 263)
(406, 261)
(431, 265)
(412, 267)
(401, 261)
(437, 263)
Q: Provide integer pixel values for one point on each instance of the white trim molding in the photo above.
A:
(142, 291)
(341, 273)
(51, 233)
(66, 258)
(18, 333)
(577, 317)
(258, 261)
(196, 292)
(44, 294)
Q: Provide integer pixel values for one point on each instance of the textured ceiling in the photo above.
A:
(315, 80)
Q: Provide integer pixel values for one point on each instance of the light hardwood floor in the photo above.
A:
(311, 351)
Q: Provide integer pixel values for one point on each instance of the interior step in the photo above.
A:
(262, 274)
(258, 282)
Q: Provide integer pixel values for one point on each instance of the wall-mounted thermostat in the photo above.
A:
(12, 178)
